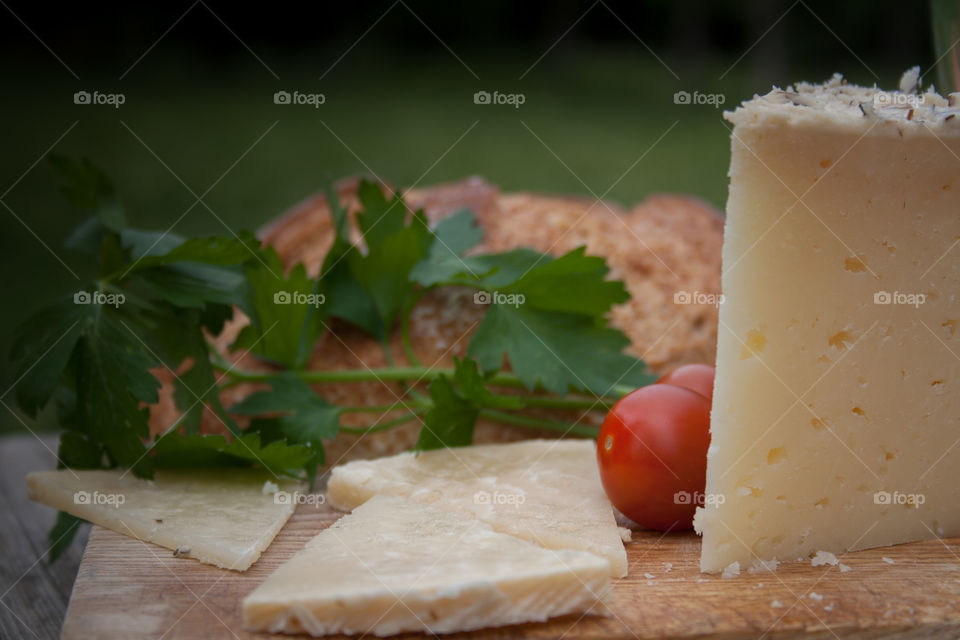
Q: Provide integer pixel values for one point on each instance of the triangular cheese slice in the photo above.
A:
(224, 517)
(394, 565)
(547, 491)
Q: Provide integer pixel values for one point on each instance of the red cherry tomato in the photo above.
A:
(652, 452)
(696, 377)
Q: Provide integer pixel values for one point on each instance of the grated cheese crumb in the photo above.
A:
(732, 570)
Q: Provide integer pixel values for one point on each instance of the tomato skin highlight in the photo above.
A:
(652, 454)
(696, 377)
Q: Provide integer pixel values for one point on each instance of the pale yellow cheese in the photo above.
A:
(224, 517)
(547, 491)
(836, 419)
(394, 565)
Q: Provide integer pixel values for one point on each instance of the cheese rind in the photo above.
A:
(546, 491)
(222, 517)
(394, 565)
(834, 421)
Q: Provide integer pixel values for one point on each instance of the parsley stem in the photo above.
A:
(383, 408)
(383, 426)
(423, 374)
(539, 423)
(405, 327)
(550, 402)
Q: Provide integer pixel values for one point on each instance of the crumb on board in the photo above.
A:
(732, 570)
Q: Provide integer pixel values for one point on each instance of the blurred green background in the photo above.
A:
(198, 80)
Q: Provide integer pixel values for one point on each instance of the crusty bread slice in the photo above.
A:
(665, 245)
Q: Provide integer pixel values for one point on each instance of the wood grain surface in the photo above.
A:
(33, 592)
(127, 589)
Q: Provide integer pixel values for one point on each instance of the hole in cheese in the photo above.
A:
(754, 344)
(776, 455)
(840, 340)
(855, 264)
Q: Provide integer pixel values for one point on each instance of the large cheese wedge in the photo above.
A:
(394, 565)
(547, 491)
(836, 414)
(224, 517)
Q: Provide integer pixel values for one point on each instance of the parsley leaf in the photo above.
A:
(305, 417)
(556, 351)
(453, 236)
(451, 419)
(43, 346)
(112, 380)
(286, 312)
(347, 299)
(485, 271)
(472, 385)
(393, 249)
(175, 451)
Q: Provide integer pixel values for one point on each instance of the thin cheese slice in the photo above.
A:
(224, 517)
(547, 491)
(835, 416)
(394, 565)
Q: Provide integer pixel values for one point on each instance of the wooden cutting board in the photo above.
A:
(127, 590)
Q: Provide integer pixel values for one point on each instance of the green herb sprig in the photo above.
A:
(158, 297)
